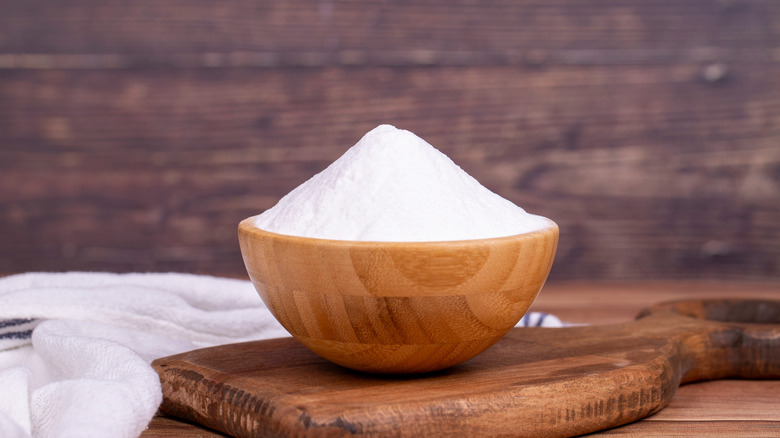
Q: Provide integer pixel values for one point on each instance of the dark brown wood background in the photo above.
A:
(135, 135)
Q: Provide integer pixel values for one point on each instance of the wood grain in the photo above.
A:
(742, 408)
(168, 427)
(617, 302)
(309, 33)
(534, 382)
(136, 135)
(747, 401)
(397, 307)
(692, 429)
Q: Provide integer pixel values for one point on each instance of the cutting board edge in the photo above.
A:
(266, 413)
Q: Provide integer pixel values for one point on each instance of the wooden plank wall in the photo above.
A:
(135, 135)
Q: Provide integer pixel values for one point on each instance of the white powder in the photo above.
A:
(394, 186)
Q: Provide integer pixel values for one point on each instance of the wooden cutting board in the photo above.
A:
(534, 382)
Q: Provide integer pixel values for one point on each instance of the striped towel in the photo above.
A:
(16, 332)
(540, 319)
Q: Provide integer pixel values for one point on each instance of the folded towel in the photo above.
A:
(75, 348)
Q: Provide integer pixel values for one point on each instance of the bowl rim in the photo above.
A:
(247, 226)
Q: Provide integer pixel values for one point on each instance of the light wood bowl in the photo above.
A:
(397, 307)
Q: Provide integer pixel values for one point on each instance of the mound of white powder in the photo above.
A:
(394, 186)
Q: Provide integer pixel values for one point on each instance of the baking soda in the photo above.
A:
(393, 186)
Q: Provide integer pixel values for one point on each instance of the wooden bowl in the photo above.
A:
(397, 307)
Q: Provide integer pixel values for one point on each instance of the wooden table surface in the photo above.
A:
(734, 408)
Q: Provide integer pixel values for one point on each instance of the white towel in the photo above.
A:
(75, 348)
